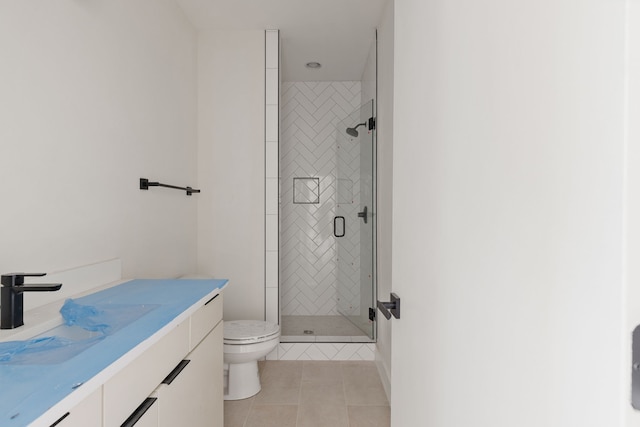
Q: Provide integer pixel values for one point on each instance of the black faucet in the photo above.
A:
(11, 299)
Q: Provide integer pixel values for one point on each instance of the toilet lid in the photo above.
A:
(239, 331)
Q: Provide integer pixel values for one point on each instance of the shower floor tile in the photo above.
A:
(313, 394)
(327, 326)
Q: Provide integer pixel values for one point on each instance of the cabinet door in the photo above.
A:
(194, 397)
(86, 413)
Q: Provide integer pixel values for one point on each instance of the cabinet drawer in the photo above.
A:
(86, 413)
(131, 386)
(205, 319)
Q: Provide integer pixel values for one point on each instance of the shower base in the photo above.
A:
(321, 329)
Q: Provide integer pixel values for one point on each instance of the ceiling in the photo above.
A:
(336, 33)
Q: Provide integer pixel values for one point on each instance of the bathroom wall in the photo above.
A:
(310, 112)
(96, 95)
(231, 166)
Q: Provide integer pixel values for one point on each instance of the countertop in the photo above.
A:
(29, 392)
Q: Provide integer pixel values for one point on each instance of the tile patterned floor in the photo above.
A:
(313, 394)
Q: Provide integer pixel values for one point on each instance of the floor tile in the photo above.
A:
(281, 373)
(321, 371)
(323, 393)
(277, 394)
(313, 394)
(369, 416)
(236, 412)
(360, 373)
(272, 416)
(322, 416)
(365, 394)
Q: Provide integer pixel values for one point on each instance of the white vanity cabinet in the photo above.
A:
(188, 393)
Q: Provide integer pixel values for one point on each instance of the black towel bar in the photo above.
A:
(145, 184)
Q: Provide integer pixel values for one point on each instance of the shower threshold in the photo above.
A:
(321, 329)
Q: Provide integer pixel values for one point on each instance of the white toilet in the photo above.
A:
(246, 341)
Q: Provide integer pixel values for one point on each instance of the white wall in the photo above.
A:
(509, 119)
(96, 95)
(385, 184)
(231, 166)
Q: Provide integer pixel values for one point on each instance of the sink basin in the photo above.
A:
(75, 333)
(85, 326)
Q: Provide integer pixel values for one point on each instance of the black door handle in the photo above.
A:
(390, 308)
(335, 226)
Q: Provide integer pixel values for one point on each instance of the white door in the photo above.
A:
(508, 214)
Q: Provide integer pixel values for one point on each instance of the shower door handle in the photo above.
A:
(363, 214)
(335, 226)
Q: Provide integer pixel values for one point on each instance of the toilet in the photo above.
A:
(245, 342)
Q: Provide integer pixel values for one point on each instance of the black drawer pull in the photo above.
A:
(176, 371)
(139, 412)
(60, 420)
(214, 297)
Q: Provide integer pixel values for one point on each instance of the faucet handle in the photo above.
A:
(13, 279)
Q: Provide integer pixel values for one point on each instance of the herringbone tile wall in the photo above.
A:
(310, 111)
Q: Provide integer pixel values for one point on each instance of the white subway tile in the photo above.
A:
(271, 86)
(272, 305)
(272, 169)
(271, 260)
(271, 49)
(272, 232)
(271, 196)
(271, 118)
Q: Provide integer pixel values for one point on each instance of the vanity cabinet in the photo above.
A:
(183, 371)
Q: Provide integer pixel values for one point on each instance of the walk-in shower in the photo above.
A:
(327, 211)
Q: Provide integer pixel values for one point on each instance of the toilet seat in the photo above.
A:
(242, 332)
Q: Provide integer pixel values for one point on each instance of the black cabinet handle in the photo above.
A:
(335, 226)
(60, 420)
(139, 412)
(176, 371)
(214, 297)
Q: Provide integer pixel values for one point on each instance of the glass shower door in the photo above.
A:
(354, 223)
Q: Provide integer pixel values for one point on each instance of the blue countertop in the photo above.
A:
(29, 390)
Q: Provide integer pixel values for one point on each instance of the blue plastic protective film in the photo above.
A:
(120, 318)
(60, 344)
(104, 318)
(44, 351)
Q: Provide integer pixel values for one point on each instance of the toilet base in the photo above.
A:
(242, 380)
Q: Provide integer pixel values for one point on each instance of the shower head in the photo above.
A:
(354, 130)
